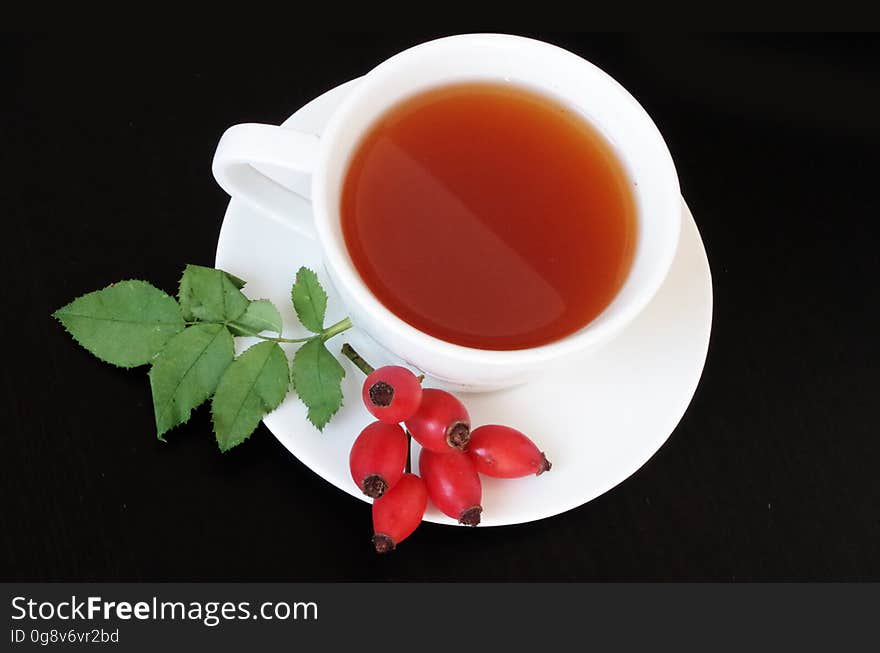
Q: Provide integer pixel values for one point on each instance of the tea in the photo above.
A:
(489, 216)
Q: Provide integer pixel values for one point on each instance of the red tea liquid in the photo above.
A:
(489, 216)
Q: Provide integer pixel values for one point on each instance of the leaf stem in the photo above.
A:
(257, 335)
(336, 329)
(326, 334)
(349, 352)
(284, 339)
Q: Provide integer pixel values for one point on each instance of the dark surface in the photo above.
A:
(772, 474)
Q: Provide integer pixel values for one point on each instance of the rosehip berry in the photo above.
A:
(503, 452)
(399, 512)
(441, 423)
(392, 394)
(378, 457)
(453, 484)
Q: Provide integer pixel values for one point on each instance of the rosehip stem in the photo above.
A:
(408, 467)
(349, 352)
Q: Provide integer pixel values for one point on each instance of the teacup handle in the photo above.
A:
(243, 148)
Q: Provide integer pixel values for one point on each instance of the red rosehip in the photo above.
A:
(392, 394)
(503, 452)
(378, 457)
(453, 484)
(441, 423)
(398, 512)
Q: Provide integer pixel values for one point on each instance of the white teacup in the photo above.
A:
(248, 155)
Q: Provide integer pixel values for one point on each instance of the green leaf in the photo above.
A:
(187, 371)
(317, 377)
(260, 315)
(253, 385)
(309, 300)
(236, 281)
(211, 295)
(124, 324)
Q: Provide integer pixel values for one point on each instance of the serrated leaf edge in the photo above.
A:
(234, 324)
(160, 434)
(309, 415)
(56, 317)
(268, 409)
(238, 282)
(311, 301)
(329, 417)
(341, 397)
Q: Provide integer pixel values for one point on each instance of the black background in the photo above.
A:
(772, 474)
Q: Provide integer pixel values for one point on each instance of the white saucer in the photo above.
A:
(598, 420)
